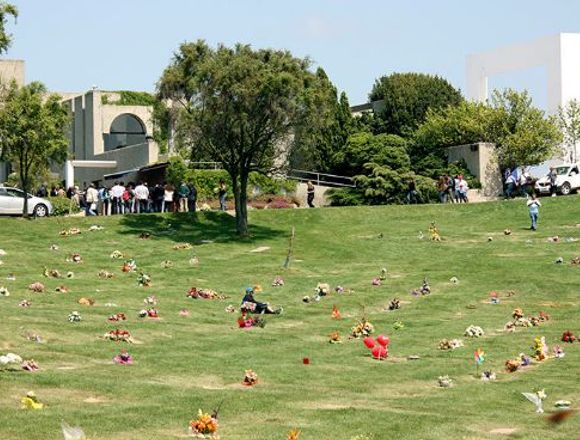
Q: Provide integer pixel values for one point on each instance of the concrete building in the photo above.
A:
(481, 162)
(107, 138)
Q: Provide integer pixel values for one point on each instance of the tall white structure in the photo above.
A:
(560, 54)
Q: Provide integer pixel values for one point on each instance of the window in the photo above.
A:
(125, 130)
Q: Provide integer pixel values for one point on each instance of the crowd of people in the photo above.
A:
(134, 198)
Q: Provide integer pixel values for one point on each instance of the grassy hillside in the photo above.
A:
(186, 363)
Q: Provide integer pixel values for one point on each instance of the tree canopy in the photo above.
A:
(407, 98)
(32, 131)
(569, 123)
(6, 10)
(240, 107)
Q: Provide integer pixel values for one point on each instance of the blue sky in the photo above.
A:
(72, 45)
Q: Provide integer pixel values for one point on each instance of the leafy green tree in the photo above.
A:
(364, 147)
(328, 125)
(238, 106)
(32, 131)
(569, 122)
(6, 10)
(407, 98)
(522, 133)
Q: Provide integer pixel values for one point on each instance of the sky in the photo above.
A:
(73, 45)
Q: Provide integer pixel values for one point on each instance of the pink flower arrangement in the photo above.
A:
(36, 287)
(123, 358)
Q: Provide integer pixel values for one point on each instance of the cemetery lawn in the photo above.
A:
(186, 363)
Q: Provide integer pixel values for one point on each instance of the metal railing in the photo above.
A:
(323, 179)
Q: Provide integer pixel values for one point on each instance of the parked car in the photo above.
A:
(12, 203)
(568, 180)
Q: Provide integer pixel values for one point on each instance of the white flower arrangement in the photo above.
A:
(474, 331)
(4, 291)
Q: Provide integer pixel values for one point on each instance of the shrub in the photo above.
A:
(63, 206)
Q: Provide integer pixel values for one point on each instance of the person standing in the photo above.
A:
(92, 198)
(412, 192)
(450, 188)
(117, 198)
(442, 189)
(192, 198)
(553, 176)
(183, 193)
(222, 193)
(463, 188)
(104, 200)
(168, 192)
(310, 194)
(142, 197)
(534, 208)
(510, 183)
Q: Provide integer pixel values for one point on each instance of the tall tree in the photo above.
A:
(6, 10)
(240, 107)
(569, 122)
(32, 131)
(407, 98)
(328, 127)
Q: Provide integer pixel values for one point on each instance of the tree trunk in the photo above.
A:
(240, 196)
(24, 183)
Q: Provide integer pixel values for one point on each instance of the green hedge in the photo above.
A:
(207, 181)
(63, 206)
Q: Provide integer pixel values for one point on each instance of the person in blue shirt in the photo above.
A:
(534, 208)
(249, 304)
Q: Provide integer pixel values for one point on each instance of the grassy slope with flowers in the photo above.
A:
(186, 363)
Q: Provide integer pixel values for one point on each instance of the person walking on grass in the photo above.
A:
(192, 198)
(92, 199)
(310, 194)
(534, 208)
(183, 193)
(222, 193)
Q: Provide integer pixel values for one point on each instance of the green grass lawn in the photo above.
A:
(186, 363)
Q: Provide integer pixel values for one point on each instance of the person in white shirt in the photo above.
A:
(168, 198)
(91, 197)
(117, 198)
(534, 208)
(142, 196)
(463, 188)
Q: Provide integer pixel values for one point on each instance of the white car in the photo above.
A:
(568, 180)
(12, 203)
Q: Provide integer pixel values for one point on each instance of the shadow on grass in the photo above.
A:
(195, 228)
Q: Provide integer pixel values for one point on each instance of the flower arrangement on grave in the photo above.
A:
(30, 401)
(25, 303)
(488, 376)
(376, 282)
(450, 344)
(507, 232)
(278, 282)
(144, 280)
(434, 232)
(4, 291)
(149, 313)
(69, 232)
(86, 301)
(54, 247)
(75, 258)
(74, 317)
(362, 328)
(50, 273)
(293, 434)
(70, 275)
(383, 275)
(245, 321)
(105, 275)
(205, 426)
(94, 228)
(494, 297)
(425, 289)
(10, 361)
(335, 314)
(61, 289)
(568, 337)
(144, 236)
(184, 313)
(36, 287)
(558, 352)
(394, 304)
(167, 264)
(454, 280)
(117, 317)
(30, 365)
(517, 313)
(445, 381)
(150, 300)
(199, 293)
(119, 336)
(250, 378)
(398, 325)
(182, 246)
(540, 348)
(123, 358)
(334, 338)
(474, 331)
(575, 261)
(194, 261)
(129, 266)
(117, 255)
